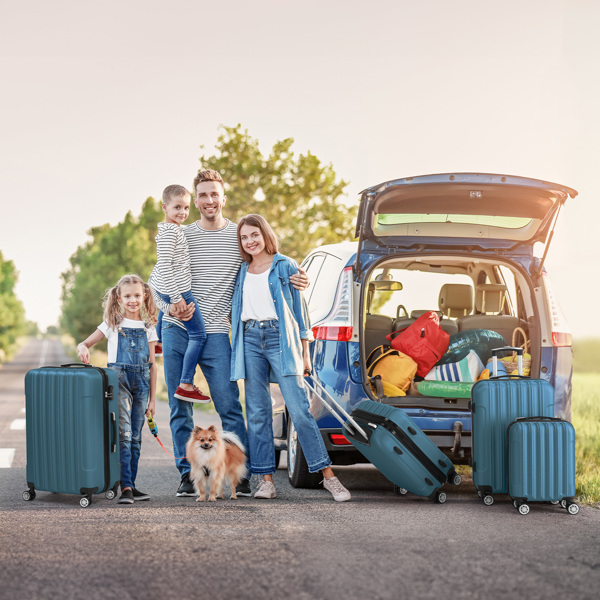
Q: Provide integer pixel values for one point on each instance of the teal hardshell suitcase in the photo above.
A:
(495, 404)
(541, 462)
(400, 450)
(72, 431)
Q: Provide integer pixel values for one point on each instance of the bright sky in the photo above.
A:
(105, 104)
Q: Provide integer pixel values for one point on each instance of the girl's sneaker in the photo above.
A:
(194, 395)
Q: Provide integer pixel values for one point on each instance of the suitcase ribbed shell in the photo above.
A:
(541, 460)
(395, 460)
(495, 404)
(65, 428)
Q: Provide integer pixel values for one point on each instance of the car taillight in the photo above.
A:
(337, 325)
(337, 439)
(561, 333)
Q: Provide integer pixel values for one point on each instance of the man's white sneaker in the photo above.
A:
(338, 491)
(266, 489)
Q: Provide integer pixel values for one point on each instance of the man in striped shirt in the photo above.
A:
(215, 261)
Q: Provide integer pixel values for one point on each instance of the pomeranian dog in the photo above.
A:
(213, 457)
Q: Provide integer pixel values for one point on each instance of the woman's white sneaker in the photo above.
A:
(338, 491)
(266, 489)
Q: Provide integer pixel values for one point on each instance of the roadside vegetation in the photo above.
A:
(299, 195)
(12, 314)
(586, 419)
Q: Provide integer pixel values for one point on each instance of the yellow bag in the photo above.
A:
(384, 389)
(394, 367)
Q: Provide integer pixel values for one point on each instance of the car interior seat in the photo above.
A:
(455, 300)
(489, 304)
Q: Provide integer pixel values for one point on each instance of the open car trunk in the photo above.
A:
(481, 303)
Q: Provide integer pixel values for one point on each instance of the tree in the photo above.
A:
(112, 252)
(12, 313)
(299, 195)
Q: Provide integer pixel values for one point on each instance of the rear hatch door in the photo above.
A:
(475, 211)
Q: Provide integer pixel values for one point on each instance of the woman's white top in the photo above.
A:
(257, 302)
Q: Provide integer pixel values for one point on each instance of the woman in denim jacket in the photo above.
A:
(270, 334)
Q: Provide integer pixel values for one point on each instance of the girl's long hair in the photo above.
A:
(113, 311)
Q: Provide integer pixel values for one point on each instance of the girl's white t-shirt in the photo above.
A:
(257, 302)
(112, 335)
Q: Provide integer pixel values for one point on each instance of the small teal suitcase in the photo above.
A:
(72, 431)
(401, 450)
(495, 404)
(541, 462)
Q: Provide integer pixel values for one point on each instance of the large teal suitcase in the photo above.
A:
(400, 450)
(541, 462)
(72, 431)
(495, 404)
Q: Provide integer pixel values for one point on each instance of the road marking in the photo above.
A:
(18, 424)
(43, 353)
(6, 457)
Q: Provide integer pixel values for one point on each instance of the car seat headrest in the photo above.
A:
(456, 299)
(490, 297)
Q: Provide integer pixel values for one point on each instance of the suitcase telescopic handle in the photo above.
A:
(320, 392)
(518, 351)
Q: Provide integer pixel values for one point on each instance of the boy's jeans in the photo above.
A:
(196, 338)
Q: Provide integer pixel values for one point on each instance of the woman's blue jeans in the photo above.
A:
(261, 354)
(196, 338)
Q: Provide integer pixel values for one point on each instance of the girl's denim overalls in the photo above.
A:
(133, 369)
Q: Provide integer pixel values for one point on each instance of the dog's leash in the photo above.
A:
(154, 430)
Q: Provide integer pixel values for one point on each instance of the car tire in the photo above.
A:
(298, 473)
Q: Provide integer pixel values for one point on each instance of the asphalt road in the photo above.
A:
(301, 545)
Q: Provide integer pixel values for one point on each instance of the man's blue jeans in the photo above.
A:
(215, 362)
(196, 338)
(261, 352)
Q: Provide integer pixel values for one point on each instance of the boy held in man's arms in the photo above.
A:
(172, 280)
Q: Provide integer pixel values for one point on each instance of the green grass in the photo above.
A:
(586, 420)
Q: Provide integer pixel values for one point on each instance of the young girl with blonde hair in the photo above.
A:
(129, 327)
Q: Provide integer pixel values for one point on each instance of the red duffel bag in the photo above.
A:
(424, 341)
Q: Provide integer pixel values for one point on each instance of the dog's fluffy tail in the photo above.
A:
(231, 438)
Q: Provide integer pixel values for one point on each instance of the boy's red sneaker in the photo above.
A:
(157, 350)
(194, 395)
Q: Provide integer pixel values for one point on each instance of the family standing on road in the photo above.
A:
(213, 277)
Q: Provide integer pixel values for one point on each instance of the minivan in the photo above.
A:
(461, 244)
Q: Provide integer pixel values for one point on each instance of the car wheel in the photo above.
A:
(298, 472)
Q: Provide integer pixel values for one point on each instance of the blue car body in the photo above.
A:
(461, 225)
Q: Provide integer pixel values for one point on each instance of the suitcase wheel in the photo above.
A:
(563, 503)
(457, 479)
(440, 497)
(554, 502)
(29, 495)
(488, 499)
(523, 509)
(110, 494)
(573, 508)
(85, 501)
(400, 491)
